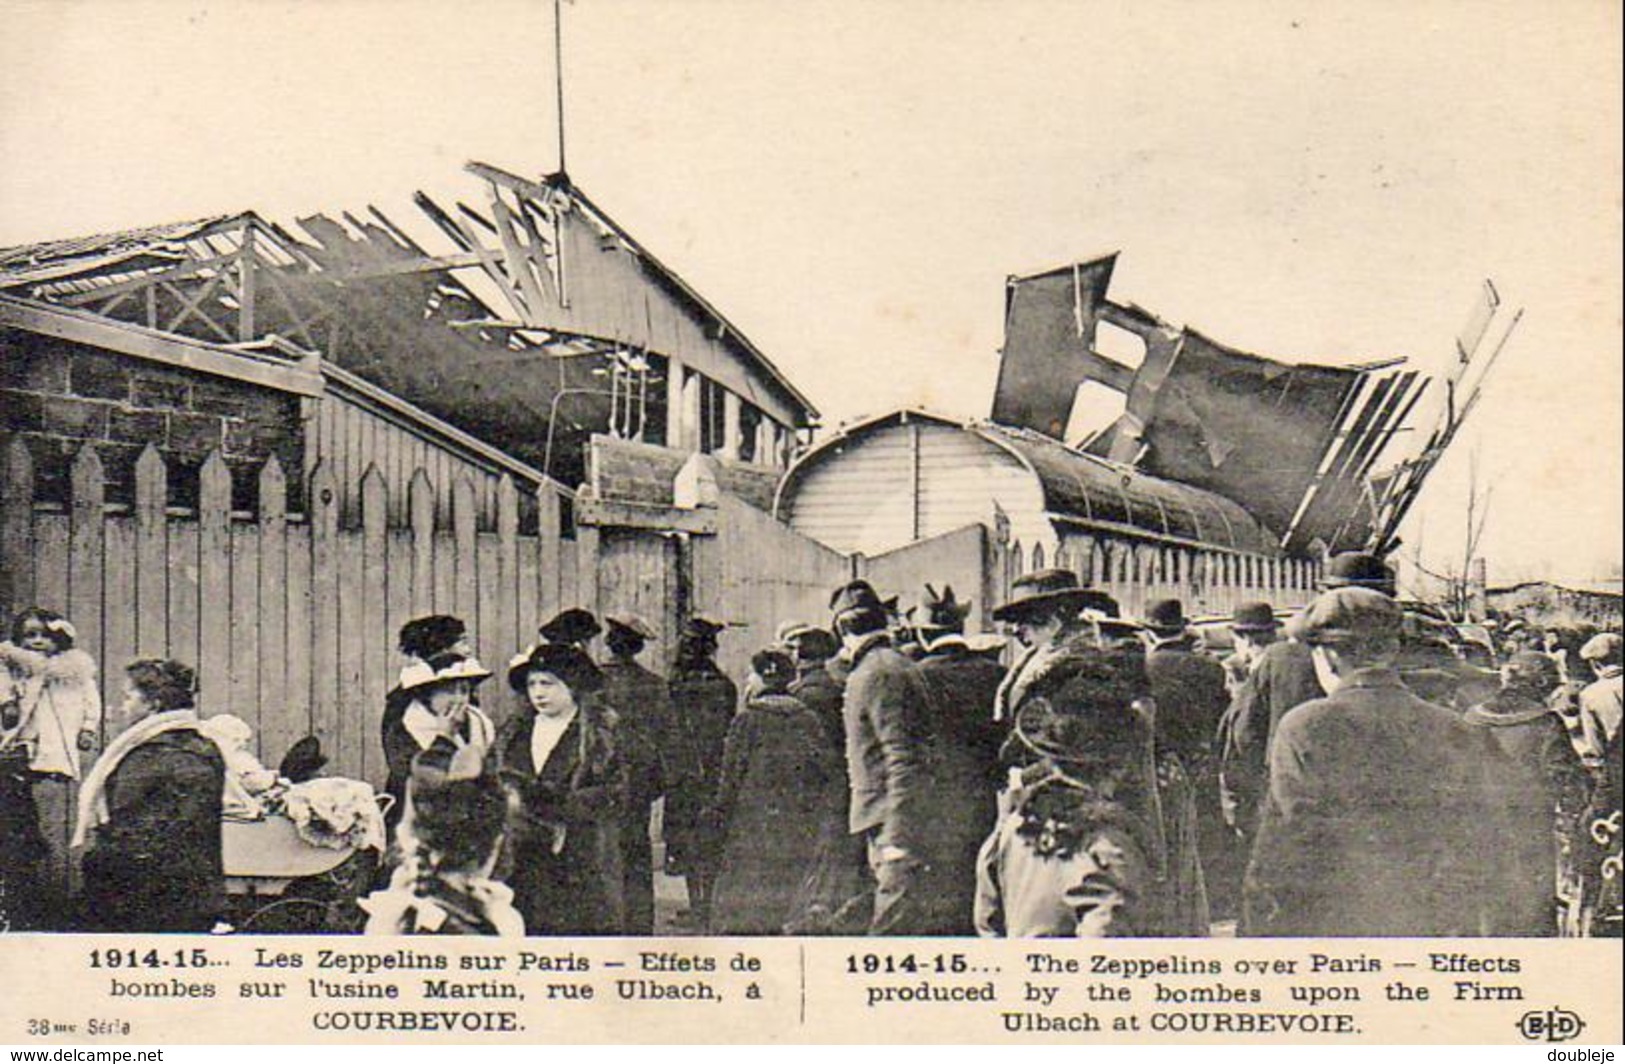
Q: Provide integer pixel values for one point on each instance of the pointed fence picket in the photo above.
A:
(288, 617)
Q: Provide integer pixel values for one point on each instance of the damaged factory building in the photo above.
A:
(1226, 476)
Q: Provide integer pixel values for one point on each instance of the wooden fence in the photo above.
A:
(289, 618)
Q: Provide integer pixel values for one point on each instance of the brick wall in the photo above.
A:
(60, 396)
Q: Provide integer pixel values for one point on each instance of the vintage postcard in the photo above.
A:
(837, 521)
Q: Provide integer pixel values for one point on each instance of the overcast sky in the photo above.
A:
(851, 182)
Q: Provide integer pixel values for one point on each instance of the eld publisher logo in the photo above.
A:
(1552, 1025)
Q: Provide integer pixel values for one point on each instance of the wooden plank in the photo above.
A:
(586, 567)
(297, 719)
(50, 577)
(349, 755)
(151, 555)
(443, 570)
(508, 582)
(118, 617)
(324, 610)
(244, 690)
(548, 514)
(276, 732)
(466, 589)
(214, 584)
(86, 550)
(520, 265)
(568, 578)
(488, 643)
(657, 518)
(16, 527)
(527, 604)
(420, 503)
(399, 546)
(84, 327)
(375, 626)
(182, 599)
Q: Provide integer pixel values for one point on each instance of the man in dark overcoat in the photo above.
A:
(1191, 698)
(1380, 818)
(703, 702)
(965, 746)
(1283, 677)
(886, 710)
(639, 698)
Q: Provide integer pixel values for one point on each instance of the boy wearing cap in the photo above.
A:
(1379, 820)
(1601, 701)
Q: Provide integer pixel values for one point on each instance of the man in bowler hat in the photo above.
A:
(639, 698)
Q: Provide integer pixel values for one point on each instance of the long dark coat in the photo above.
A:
(1380, 821)
(22, 845)
(155, 866)
(579, 794)
(643, 723)
(1191, 698)
(779, 793)
(1542, 773)
(1282, 679)
(820, 691)
(965, 775)
(703, 702)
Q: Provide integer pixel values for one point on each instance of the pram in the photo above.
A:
(278, 883)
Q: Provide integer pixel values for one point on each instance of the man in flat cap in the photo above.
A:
(1379, 820)
(886, 710)
(1601, 701)
(642, 712)
(703, 701)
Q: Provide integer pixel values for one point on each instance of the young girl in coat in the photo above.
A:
(450, 835)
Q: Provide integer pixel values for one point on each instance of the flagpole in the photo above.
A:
(558, 73)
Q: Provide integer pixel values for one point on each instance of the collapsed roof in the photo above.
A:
(1297, 445)
(484, 317)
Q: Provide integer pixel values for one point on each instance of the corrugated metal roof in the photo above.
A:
(1087, 491)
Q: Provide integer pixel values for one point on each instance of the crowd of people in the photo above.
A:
(882, 771)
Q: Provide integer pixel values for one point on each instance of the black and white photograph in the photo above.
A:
(900, 469)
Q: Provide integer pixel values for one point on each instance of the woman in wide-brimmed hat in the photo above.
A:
(1047, 612)
(436, 699)
(559, 755)
(1077, 851)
